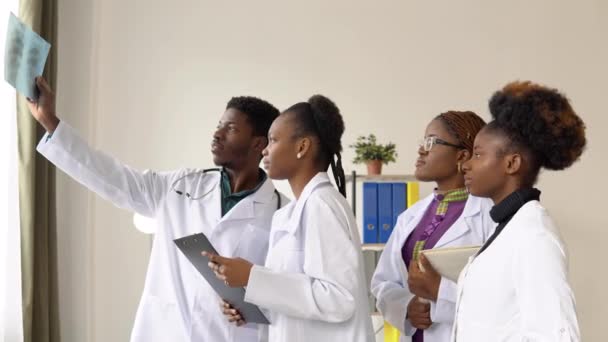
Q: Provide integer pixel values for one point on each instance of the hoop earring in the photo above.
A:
(459, 167)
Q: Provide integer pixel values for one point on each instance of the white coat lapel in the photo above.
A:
(265, 196)
(294, 221)
(291, 224)
(463, 224)
(410, 225)
(416, 217)
(241, 211)
(241, 215)
(246, 208)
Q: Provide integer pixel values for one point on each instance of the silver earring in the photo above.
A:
(299, 155)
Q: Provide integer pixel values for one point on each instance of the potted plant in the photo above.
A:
(368, 151)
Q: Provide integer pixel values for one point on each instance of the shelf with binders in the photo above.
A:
(384, 198)
(380, 178)
(354, 178)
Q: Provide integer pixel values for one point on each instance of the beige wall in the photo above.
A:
(147, 80)
(75, 224)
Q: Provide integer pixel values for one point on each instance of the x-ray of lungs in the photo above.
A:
(25, 55)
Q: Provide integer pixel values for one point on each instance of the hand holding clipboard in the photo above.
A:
(235, 273)
(193, 247)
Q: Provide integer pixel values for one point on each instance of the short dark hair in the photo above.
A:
(260, 113)
(540, 121)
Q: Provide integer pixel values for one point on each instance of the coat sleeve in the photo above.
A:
(543, 294)
(325, 290)
(392, 295)
(125, 187)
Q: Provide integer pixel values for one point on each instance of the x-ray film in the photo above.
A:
(25, 55)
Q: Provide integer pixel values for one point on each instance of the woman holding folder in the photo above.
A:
(421, 304)
(516, 288)
(313, 284)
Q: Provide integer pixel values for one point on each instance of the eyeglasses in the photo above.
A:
(427, 143)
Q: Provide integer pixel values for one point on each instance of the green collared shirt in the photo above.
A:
(229, 200)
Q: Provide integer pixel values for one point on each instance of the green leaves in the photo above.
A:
(367, 148)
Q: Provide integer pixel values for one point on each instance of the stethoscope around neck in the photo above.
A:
(202, 172)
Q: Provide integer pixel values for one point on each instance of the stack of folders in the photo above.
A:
(383, 202)
(449, 262)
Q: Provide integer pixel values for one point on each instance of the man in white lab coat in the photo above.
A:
(232, 206)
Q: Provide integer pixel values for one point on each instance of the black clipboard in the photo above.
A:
(192, 246)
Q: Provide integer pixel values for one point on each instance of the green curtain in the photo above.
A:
(37, 197)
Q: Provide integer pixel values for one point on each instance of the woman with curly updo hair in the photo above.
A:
(516, 287)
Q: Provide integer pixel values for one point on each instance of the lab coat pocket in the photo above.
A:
(161, 309)
(287, 255)
(162, 321)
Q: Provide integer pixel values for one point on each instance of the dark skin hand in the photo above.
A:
(233, 271)
(423, 282)
(419, 313)
(232, 314)
(43, 110)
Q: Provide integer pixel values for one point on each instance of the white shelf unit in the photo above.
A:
(376, 248)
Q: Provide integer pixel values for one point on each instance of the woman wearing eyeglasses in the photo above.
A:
(421, 304)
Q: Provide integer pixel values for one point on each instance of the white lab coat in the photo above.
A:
(313, 283)
(517, 289)
(177, 304)
(389, 283)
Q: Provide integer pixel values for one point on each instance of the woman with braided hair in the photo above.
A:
(516, 288)
(313, 284)
(421, 304)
